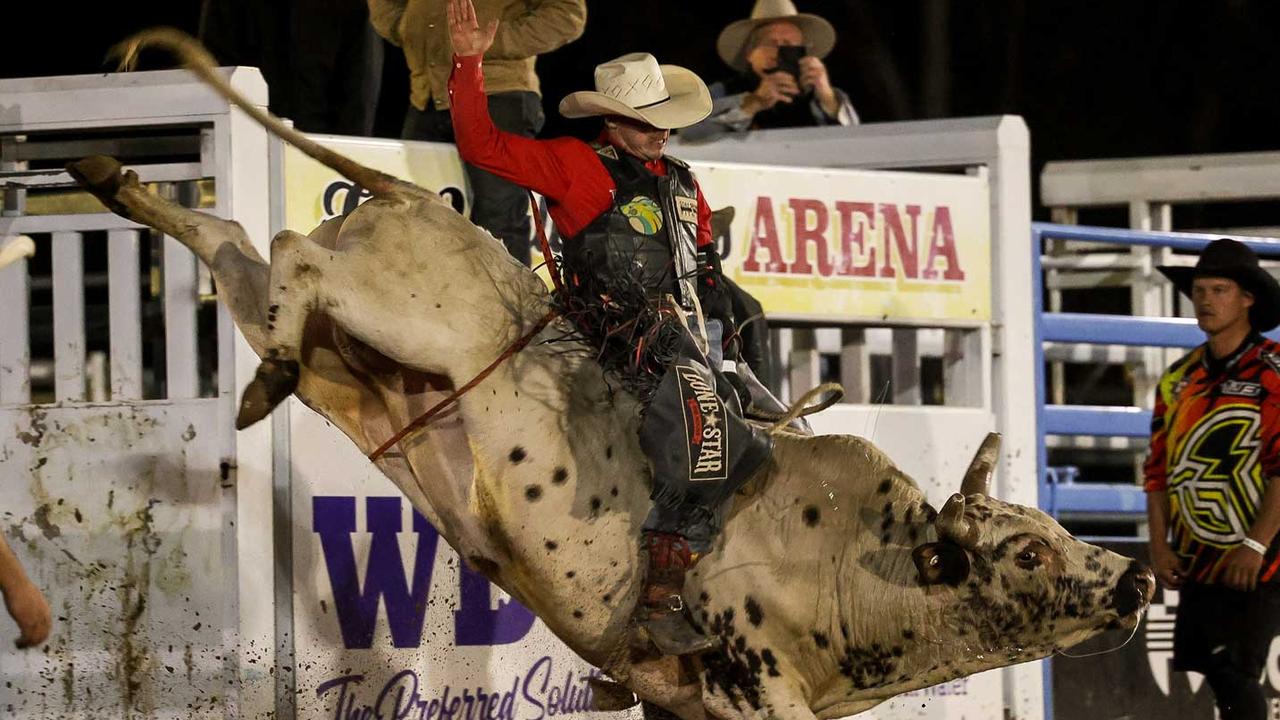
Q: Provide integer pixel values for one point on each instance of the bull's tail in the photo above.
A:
(195, 58)
(13, 249)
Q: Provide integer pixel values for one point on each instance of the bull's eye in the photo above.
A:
(1028, 559)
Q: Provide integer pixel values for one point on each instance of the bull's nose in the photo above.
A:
(1134, 589)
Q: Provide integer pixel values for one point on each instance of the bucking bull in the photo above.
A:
(834, 584)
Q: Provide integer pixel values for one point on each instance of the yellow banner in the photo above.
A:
(832, 246)
(836, 245)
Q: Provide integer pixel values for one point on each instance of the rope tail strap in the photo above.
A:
(444, 404)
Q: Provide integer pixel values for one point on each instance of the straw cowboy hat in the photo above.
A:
(1233, 260)
(637, 87)
(819, 36)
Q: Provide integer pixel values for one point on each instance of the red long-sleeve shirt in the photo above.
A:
(565, 170)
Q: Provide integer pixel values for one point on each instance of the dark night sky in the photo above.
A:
(1092, 79)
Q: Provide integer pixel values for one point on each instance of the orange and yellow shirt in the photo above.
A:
(1215, 446)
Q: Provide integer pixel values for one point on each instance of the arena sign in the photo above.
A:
(839, 244)
(388, 623)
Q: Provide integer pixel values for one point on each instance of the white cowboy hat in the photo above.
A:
(637, 87)
(819, 35)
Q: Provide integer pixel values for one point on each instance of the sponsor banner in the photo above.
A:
(811, 244)
(388, 623)
(1140, 680)
(837, 245)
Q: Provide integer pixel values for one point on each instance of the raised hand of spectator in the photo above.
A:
(774, 88)
(813, 76)
(465, 31)
(30, 610)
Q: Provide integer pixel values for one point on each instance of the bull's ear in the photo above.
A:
(941, 563)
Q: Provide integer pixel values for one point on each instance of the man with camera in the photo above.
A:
(782, 80)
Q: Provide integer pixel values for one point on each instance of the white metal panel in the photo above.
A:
(68, 316)
(15, 356)
(242, 161)
(28, 224)
(125, 307)
(906, 366)
(97, 99)
(803, 363)
(855, 365)
(180, 296)
(124, 544)
(966, 375)
(1185, 178)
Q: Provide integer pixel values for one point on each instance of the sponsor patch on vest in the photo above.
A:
(643, 214)
(1241, 388)
(704, 426)
(687, 209)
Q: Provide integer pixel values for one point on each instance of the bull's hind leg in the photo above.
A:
(295, 286)
(237, 267)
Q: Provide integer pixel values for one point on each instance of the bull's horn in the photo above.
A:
(977, 479)
(954, 526)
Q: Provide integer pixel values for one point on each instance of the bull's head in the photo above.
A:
(1016, 584)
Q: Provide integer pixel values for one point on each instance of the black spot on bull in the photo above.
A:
(821, 640)
(533, 492)
(559, 476)
(811, 516)
(754, 613)
(517, 455)
(770, 662)
(868, 667)
(734, 670)
(884, 486)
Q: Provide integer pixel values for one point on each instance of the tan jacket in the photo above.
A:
(527, 29)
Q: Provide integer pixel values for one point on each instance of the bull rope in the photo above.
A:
(441, 406)
(547, 257)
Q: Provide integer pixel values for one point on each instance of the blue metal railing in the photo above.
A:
(1059, 492)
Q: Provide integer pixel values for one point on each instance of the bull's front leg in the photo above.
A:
(239, 270)
(295, 287)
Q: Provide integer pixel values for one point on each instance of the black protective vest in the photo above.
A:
(637, 237)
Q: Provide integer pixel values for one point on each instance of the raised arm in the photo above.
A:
(534, 164)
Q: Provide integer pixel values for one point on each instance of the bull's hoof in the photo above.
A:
(274, 381)
(609, 696)
(101, 176)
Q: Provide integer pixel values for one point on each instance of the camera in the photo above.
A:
(789, 59)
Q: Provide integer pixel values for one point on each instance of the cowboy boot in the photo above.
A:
(661, 610)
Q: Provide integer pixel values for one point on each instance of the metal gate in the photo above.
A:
(118, 465)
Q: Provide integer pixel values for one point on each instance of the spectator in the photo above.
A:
(25, 603)
(321, 59)
(528, 28)
(1213, 501)
(781, 82)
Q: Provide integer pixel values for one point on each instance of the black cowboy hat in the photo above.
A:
(1233, 260)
